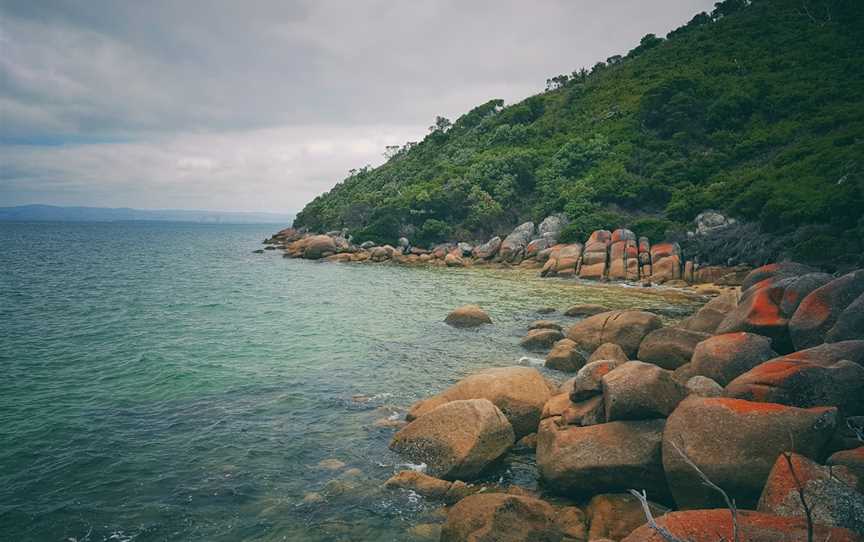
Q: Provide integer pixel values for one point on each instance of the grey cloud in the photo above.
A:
(84, 72)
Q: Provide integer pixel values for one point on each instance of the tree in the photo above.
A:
(442, 124)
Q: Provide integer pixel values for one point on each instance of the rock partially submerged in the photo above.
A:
(457, 440)
(468, 316)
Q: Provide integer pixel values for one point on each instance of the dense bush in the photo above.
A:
(755, 110)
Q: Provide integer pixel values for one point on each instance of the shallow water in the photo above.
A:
(162, 382)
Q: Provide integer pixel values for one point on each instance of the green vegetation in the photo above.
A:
(756, 109)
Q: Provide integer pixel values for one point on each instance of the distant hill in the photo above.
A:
(51, 213)
(755, 109)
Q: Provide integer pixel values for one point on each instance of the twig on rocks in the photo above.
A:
(800, 488)
(646, 508)
(730, 503)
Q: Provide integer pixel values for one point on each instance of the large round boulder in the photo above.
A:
(724, 357)
(640, 391)
(565, 357)
(488, 250)
(850, 323)
(613, 456)
(457, 440)
(851, 459)
(468, 316)
(318, 246)
(708, 318)
(829, 492)
(624, 328)
(715, 525)
(820, 310)
(775, 271)
(588, 382)
(519, 392)
(759, 312)
(608, 351)
(513, 246)
(669, 347)
(795, 289)
(500, 517)
(541, 339)
(735, 443)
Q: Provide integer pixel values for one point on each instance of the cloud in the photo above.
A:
(216, 102)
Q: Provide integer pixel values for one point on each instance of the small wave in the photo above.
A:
(525, 361)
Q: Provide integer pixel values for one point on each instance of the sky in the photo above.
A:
(260, 105)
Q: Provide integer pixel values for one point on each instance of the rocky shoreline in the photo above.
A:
(743, 421)
(606, 255)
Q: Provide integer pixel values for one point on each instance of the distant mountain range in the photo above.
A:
(51, 213)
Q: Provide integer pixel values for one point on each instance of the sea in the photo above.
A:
(161, 381)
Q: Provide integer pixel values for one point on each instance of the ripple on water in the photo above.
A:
(160, 383)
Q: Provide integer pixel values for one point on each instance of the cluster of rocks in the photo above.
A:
(760, 391)
(605, 255)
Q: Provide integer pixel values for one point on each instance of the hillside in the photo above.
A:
(755, 110)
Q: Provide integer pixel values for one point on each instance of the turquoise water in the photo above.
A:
(162, 382)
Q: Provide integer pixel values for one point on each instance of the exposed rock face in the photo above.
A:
(541, 340)
(589, 380)
(454, 258)
(851, 459)
(551, 227)
(624, 328)
(499, 517)
(588, 412)
(803, 384)
(724, 357)
(759, 312)
(704, 387)
(519, 392)
(513, 247)
(468, 316)
(708, 318)
(616, 515)
(585, 310)
(830, 492)
(714, 525)
(850, 323)
(624, 256)
(536, 246)
(795, 289)
(820, 310)
(775, 271)
(488, 250)
(710, 222)
(735, 443)
(563, 261)
(545, 324)
(670, 347)
(457, 440)
(612, 456)
(565, 357)
(595, 256)
(318, 246)
(608, 351)
(665, 262)
(639, 391)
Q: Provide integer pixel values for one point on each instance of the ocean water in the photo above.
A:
(162, 382)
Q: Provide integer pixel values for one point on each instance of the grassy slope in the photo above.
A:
(758, 113)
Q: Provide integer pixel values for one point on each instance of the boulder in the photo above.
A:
(552, 226)
(722, 358)
(759, 312)
(665, 262)
(735, 443)
(670, 347)
(454, 258)
(710, 222)
(584, 413)
(850, 323)
(624, 328)
(624, 256)
(565, 357)
(468, 316)
(640, 391)
(457, 440)
(708, 318)
(803, 384)
(613, 456)
(488, 250)
(563, 261)
(608, 351)
(616, 515)
(380, 254)
(545, 324)
(513, 246)
(500, 517)
(703, 387)
(795, 289)
(830, 353)
(585, 310)
(595, 256)
(541, 340)
(775, 271)
(536, 246)
(430, 487)
(820, 310)
(828, 491)
(318, 246)
(556, 405)
(851, 459)
(589, 380)
(519, 392)
(716, 525)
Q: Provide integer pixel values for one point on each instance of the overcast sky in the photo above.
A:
(262, 105)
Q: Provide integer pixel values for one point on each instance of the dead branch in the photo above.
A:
(808, 514)
(646, 508)
(730, 503)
